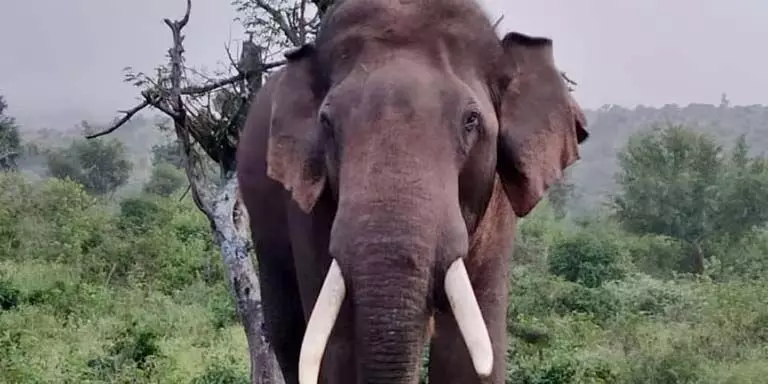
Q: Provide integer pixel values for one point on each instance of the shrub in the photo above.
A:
(587, 258)
(657, 255)
(100, 165)
(10, 296)
(165, 180)
(223, 371)
(598, 302)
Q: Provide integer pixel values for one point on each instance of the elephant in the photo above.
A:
(384, 168)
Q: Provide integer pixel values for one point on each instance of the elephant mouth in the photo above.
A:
(460, 295)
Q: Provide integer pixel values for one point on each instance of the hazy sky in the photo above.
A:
(69, 56)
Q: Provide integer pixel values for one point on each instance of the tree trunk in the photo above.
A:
(228, 225)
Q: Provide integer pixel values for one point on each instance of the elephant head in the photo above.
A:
(408, 112)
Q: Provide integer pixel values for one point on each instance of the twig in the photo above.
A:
(568, 79)
(232, 62)
(127, 116)
(496, 24)
(302, 22)
(280, 21)
(183, 195)
(177, 26)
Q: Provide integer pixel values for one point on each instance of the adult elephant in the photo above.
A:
(383, 168)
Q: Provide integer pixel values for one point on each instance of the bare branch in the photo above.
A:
(178, 25)
(498, 21)
(232, 62)
(198, 90)
(183, 195)
(302, 22)
(567, 79)
(128, 115)
(158, 104)
(569, 82)
(281, 22)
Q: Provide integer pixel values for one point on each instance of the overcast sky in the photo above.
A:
(69, 56)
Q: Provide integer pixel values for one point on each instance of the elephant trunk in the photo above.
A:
(389, 284)
(391, 311)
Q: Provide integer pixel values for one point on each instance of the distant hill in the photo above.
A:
(611, 126)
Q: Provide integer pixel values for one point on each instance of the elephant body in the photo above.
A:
(383, 169)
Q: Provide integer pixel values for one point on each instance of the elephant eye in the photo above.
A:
(472, 121)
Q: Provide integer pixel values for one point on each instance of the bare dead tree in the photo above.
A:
(207, 119)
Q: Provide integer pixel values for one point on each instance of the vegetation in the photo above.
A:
(114, 296)
(681, 184)
(99, 165)
(133, 290)
(165, 180)
(10, 140)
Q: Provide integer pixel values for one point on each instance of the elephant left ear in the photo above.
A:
(541, 125)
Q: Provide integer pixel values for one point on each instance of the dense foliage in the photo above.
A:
(682, 184)
(131, 290)
(165, 180)
(611, 126)
(130, 295)
(99, 165)
(10, 139)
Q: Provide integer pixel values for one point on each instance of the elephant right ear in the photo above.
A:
(294, 151)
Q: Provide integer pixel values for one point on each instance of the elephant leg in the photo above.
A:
(449, 359)
(283, 315)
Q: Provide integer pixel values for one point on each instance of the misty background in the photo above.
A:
(636, 63)
(63, 60)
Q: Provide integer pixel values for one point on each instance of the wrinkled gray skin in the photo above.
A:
(409, 135)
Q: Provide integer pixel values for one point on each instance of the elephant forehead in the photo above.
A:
(461, 22)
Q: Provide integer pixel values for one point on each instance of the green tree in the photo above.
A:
(10, 139)
(680, 183)
(559, 195)
(169, 153)
(101, 166)
(165, 180)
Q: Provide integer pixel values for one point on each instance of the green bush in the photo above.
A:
(587, 258)
(10, 296)
(165, 180)
(141, 214)
(597, 302)
(223, 371)
(657, 255)
(101, 166)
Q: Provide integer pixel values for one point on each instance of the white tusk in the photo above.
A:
(469, 318)
(320, 324)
